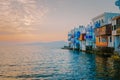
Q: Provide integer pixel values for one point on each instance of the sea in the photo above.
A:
(38, 62)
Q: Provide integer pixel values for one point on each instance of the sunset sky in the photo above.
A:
(47, 20)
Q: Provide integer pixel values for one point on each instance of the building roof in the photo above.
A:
(117, 17)
(102, 15)
(98, 16)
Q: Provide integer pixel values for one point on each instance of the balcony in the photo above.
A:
(82, 37)
(104, 30)
(116, 32)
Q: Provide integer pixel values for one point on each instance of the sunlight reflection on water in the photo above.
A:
(38, 62)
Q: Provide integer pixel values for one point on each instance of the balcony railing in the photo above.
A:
(104, 30)
(116, 32)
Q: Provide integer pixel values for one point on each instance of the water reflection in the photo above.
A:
(38, 62)
(116, 71)
(82, 65)
(107, 69)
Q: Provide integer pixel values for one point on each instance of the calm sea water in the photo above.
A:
(48, 63)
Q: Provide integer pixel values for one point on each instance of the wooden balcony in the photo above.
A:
(104, 30)
(116, 32)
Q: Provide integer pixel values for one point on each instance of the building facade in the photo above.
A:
(73, 38)
(116, 33)
(90, 37)
(103, 29)
(82, 38)
(104, 32)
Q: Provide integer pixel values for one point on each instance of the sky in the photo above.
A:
(47, 20)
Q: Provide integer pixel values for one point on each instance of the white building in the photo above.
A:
(103, 19)
(116, 33)
(103, 29)
(90, 37)
(82, 38)
(73, 38)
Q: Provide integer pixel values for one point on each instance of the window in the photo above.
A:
(99, 21)
(104, 39)
(99, 39)
(110, 39)
(118, 21)
(102, 21)
(115, 27)
(112, 27)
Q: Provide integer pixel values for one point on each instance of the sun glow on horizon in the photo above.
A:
(31, 38)
(46, 20)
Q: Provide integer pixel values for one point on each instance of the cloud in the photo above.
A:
(20, 16)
